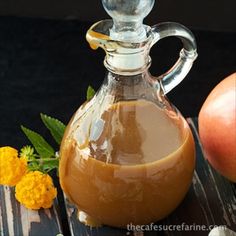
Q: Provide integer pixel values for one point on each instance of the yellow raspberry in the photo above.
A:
(36, 190)
(12, 168)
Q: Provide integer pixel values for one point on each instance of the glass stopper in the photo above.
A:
(128, 18)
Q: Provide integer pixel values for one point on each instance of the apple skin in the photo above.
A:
(217, 127)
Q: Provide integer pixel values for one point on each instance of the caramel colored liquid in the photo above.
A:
(143, 174)
(94, 37)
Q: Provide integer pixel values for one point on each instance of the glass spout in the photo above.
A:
(125, 38)
(122, 57)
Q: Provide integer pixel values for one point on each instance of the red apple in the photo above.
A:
(217, 127)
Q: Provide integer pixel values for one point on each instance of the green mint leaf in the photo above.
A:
(56, 127)
(40, 144)
(90, 92)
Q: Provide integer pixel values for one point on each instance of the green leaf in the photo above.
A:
(40, 144)
(44, 164)
(50, 165)
(33, 166)
(90, 92)
(56, 127)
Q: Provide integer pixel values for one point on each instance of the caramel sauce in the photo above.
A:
(94, 37)
(142, 173)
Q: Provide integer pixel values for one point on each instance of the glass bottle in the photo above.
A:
(128, 155)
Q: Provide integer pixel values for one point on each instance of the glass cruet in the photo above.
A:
(128, 155)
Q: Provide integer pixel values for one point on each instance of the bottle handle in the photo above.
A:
(188, 53)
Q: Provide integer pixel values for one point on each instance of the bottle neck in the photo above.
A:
(128, 57)
(131, 62)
